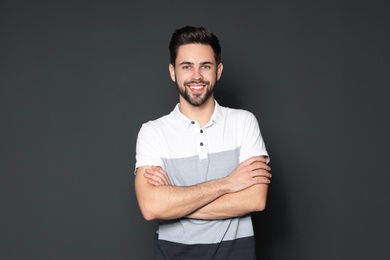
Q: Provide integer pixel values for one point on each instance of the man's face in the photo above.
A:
(195, 73)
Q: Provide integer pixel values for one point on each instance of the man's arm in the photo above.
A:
(236, 204)
(159, 200)
(171, 202)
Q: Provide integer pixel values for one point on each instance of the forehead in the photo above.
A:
(195, 53)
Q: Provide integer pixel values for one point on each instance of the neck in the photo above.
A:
(201, 114)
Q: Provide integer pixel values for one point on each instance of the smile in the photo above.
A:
(197, 87)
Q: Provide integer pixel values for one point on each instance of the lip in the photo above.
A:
(196, 88)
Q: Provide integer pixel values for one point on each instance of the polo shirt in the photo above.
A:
(191, 154)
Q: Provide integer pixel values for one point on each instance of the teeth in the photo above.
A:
(196, 87)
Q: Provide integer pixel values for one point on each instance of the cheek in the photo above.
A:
(212, 76)
(181, 77)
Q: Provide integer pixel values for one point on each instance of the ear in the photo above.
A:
(219, 71)
(172, 72)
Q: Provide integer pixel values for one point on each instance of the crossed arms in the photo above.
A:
(243, 191)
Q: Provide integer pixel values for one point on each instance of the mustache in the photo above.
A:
(197, 82)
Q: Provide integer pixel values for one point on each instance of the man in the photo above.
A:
(202, 169)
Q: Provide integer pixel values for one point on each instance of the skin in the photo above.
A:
(244, 190)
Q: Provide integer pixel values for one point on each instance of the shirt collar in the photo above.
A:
(186, 122)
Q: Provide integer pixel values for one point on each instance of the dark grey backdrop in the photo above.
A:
(78, 78)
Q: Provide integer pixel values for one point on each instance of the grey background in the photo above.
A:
(78, 78)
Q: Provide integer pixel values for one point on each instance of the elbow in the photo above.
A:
(260, 206)
(153, 211)
(149, 207)
(158, 213)
(148, 213)
(148, 216)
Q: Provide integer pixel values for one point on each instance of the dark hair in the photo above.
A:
(190, 34)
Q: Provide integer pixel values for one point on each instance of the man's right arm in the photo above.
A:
(171, 202)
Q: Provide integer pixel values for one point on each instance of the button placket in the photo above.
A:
(202, 145)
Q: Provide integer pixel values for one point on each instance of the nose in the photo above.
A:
(196, 75)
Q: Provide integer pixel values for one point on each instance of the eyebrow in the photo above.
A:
(191, 63)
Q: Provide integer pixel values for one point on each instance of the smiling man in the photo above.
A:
(202, 169)
(195, 77)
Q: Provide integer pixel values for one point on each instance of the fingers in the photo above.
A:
(157, 176)
(260, 171)
(259, 166)
(261, 180)
(250, 172)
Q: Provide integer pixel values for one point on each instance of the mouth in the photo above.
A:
(197, 87)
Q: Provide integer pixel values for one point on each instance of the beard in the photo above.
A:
(195, 99)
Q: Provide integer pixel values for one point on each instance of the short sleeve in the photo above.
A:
(252, 142)
(148, 148)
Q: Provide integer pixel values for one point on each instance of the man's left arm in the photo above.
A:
(237, 204)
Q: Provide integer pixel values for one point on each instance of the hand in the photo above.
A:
(156, 176)
(249, 172)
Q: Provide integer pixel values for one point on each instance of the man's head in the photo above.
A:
(190, 34)
(195, 64)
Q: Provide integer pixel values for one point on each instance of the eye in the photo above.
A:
(206, 67)
(186, 67)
